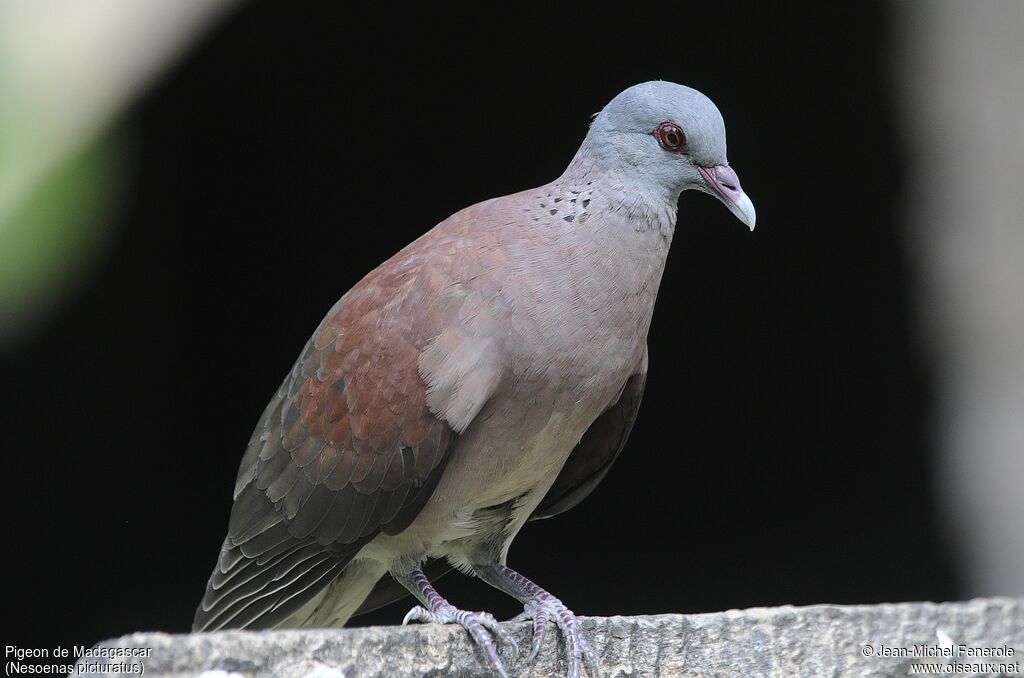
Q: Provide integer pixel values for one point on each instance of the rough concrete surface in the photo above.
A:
(818, 641)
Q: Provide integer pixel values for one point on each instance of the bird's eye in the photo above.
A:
(671, 137)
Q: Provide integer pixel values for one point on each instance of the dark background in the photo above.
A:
(781, 453)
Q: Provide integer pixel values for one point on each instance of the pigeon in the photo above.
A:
(486, 375)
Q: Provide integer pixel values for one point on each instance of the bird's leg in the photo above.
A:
(436, 609)
(541, 606)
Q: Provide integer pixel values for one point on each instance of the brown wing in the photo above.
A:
(595, 453)
(346, 449)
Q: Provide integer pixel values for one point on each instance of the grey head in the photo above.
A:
(667, 138)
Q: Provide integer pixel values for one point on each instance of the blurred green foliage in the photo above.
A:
(56, 231)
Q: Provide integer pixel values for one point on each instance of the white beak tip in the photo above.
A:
(744, 210)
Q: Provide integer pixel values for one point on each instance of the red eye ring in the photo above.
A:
(671, 137)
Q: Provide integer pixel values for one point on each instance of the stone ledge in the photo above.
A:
(820, 640)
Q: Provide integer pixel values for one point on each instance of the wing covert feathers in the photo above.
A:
(349, 446)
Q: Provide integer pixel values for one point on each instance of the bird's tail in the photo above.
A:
(297, 583)
(341, 599)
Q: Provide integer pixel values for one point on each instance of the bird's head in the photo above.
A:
(671, 138)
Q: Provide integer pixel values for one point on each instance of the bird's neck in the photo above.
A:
(614, 236)
(625, 191)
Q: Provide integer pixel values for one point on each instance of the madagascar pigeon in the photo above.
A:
(486, 375)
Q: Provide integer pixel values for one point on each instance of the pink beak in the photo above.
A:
(722, 181)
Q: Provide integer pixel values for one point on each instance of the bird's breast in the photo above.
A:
(565, 320)
(581, 314)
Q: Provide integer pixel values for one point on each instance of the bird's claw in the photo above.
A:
(480, 625)
(544, 608)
